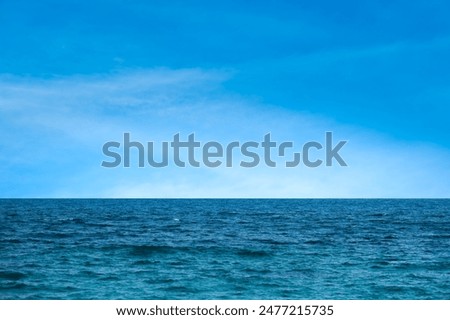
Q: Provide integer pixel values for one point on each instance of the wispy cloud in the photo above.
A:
(53, 131)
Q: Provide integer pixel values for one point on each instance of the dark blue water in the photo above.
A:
(225, 249)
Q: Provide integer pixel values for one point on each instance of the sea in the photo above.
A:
(224, 249)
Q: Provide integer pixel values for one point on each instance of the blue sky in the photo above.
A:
(75, 74)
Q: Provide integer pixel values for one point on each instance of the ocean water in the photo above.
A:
(224, 249)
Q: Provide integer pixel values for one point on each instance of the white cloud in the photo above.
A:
(64, 122)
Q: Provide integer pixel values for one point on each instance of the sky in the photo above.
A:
(76, 74)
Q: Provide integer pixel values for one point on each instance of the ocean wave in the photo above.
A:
(12, 275)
